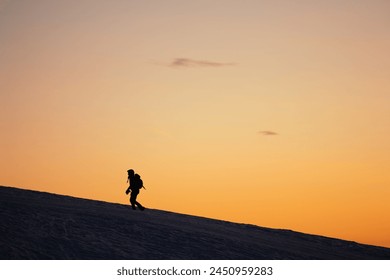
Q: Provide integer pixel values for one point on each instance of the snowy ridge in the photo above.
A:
(38, 225)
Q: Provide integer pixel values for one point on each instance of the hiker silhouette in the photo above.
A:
(135, 184)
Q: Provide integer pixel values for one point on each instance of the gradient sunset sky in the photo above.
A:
(274, 113)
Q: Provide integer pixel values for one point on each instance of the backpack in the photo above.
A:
(137, 183)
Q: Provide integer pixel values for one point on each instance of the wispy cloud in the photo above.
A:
(268, 133)
(187, 62)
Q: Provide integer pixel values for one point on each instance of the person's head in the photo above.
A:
(130, 172)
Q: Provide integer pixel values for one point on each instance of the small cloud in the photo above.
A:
(268, 133)
(187, 62)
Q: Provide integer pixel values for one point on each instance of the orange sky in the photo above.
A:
(265, 112)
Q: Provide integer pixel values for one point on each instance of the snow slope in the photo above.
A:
(37, 225)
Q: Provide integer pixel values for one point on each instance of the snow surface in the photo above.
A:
(38, 225)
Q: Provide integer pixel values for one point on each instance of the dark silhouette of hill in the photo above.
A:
(38, 225)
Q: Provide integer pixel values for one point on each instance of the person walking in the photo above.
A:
(135, 184)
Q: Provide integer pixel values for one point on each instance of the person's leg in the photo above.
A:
(135, 202)
(139, 206)
(133, 197)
